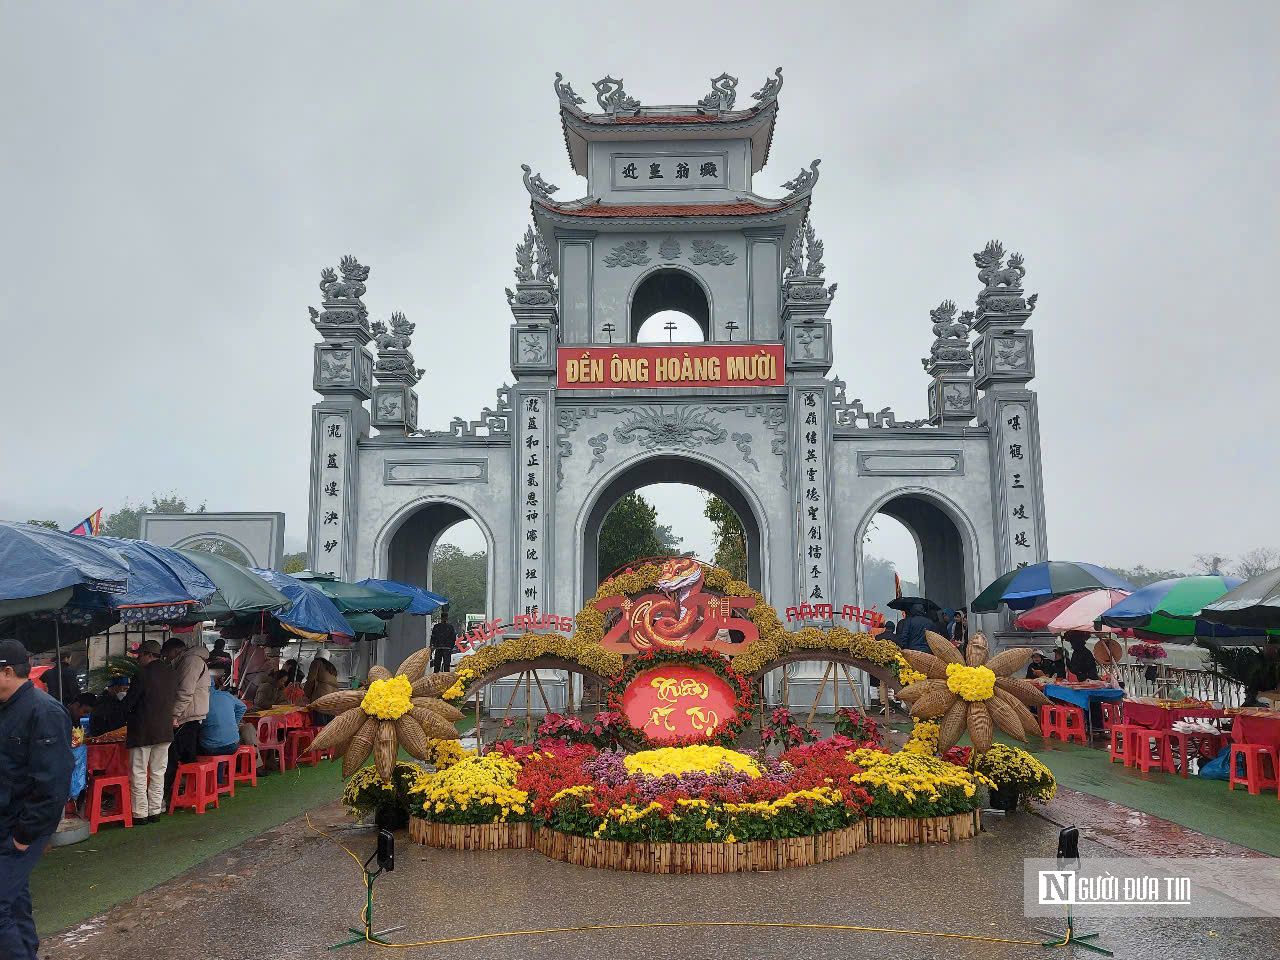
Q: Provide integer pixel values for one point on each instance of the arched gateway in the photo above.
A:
(669, 221)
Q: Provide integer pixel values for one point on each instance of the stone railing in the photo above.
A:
(1201, 684)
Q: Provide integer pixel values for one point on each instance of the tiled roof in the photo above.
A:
(688, 118)
(598, 209)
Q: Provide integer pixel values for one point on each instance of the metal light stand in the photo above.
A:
(1069, 853)
(385, 855)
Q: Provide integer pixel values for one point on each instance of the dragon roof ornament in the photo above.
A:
(803, 182)
(803, 277)
(613, 98)
(565, 93)
(769, 92)
(538, 188)
(723, 95)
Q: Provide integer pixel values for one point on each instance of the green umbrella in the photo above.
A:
(366, 624)
(1171, 608)
(240, 590)
(353, 598)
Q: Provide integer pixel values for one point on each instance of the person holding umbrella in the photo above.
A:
(911, 633)
(35, 780)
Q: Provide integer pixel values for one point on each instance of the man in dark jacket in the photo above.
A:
(35, 779)
(65, 686)
(443, 637)
(911, 631)
(149, 708)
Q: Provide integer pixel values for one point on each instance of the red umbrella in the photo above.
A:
(1075, 611)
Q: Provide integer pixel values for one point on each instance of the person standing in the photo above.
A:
(443, 638)
(190, 705)
(68, 686)
(958, 632)
(149, 709)
(911, 633)
(35, 780)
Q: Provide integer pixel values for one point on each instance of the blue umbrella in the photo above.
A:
(1023, 588)
(38, 566)
(163, 585)
(422, 601)
(313, 615)
(1170, 609)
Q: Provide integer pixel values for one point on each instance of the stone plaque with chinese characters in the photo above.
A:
(329, 518)
(533, 489)
(668, 172)
(1021, 482)
(813, 514)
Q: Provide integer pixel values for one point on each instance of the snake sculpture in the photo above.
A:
(665, 621)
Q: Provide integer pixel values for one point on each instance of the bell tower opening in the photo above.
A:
(670, 296)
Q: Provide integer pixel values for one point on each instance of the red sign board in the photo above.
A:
(677, 701)
(654, 367)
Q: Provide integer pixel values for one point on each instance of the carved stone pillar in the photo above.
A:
(534, 305)
(395, 403)
(952, 397)
(811, 439)
(1004, 365)
(343, 376)
(806, 330)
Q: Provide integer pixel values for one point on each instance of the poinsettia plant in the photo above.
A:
(783, 730)
(602, 730)
(857, 726)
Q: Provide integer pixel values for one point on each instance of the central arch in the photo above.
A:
(669, 288)
(669, 468)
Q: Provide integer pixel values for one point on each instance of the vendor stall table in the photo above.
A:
(1155, 716)
(1083, 697)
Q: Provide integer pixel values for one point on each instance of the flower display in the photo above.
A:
(912, 785)
(783, 729)
(602, 730)
(473, 790)
(908, 676)
(725, 733)
(777, 642)
(971, 683)
(923, 739)
(388, 699)
(368, 792)
(459, 689)
(533, 646)
(857, 726)
(961, 696)
(443, 754)
(677, 760)
(1008, 766)
(391, 712)
(1147, 651)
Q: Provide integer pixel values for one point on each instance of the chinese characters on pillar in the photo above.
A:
(1019, 480)
(531, 479)
(329, 519)
(815, 540)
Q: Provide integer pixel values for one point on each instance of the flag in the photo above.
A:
(897, 585)
(90, 526)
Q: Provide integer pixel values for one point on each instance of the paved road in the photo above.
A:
(290, 893)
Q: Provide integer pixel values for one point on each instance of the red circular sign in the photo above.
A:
(678, 702)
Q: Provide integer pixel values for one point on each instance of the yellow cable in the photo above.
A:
(587, 928)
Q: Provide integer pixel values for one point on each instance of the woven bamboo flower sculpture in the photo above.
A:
(392, 711)
(972, 692)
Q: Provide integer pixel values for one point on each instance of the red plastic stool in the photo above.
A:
(1254, 778)
(245, 765)
(1142, 739)
(271, 739)
(296, 744)
(219, 762)
(1208, 745)
(1112, 714)
(1121, 746)
(196, 786)
(1062, 721)
(124, 814)
(1174, 738)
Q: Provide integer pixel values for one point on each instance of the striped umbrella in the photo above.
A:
(1024, 587)
(1075, 611)
(1170, 608)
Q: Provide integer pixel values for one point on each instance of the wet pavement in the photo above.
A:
(289, 893)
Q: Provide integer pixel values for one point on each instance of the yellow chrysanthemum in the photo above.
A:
(678, 760)
(388, 699)
(971, 683)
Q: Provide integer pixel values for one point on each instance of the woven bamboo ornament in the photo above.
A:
(1006, 707)
(391, 712)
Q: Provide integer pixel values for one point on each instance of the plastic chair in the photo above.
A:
(1121, 745)
(1255, 779)
(1175, 738)
(1062, 721)
(271, 739)
(124, 812)
(195, 786)
(1112, 713)
(221, 761)
(245, 765)
(1145, 758)
(296, 743)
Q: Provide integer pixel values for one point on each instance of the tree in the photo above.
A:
(1256, 562)
(1210, 564)
(463, 578)
(629, 533)
(219, 548)
(1141, 576)
(127, 521)
(51, 524)
(294, 562)
(729, 537)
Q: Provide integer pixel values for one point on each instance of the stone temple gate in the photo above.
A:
(669, 221)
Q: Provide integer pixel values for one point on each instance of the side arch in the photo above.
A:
(214, 535)
(669, 467)
(917, 506)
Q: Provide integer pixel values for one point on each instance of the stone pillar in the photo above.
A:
(1004, 363)
(811, 441)
(806, 331)
(395, 403)
(952, 397)
(534, 334)
(343, 376)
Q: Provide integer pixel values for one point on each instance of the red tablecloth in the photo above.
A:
(111, 759)
(294, 718)
(1252, 729)
(1162, 718)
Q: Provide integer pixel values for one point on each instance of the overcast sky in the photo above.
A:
(175, 176)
